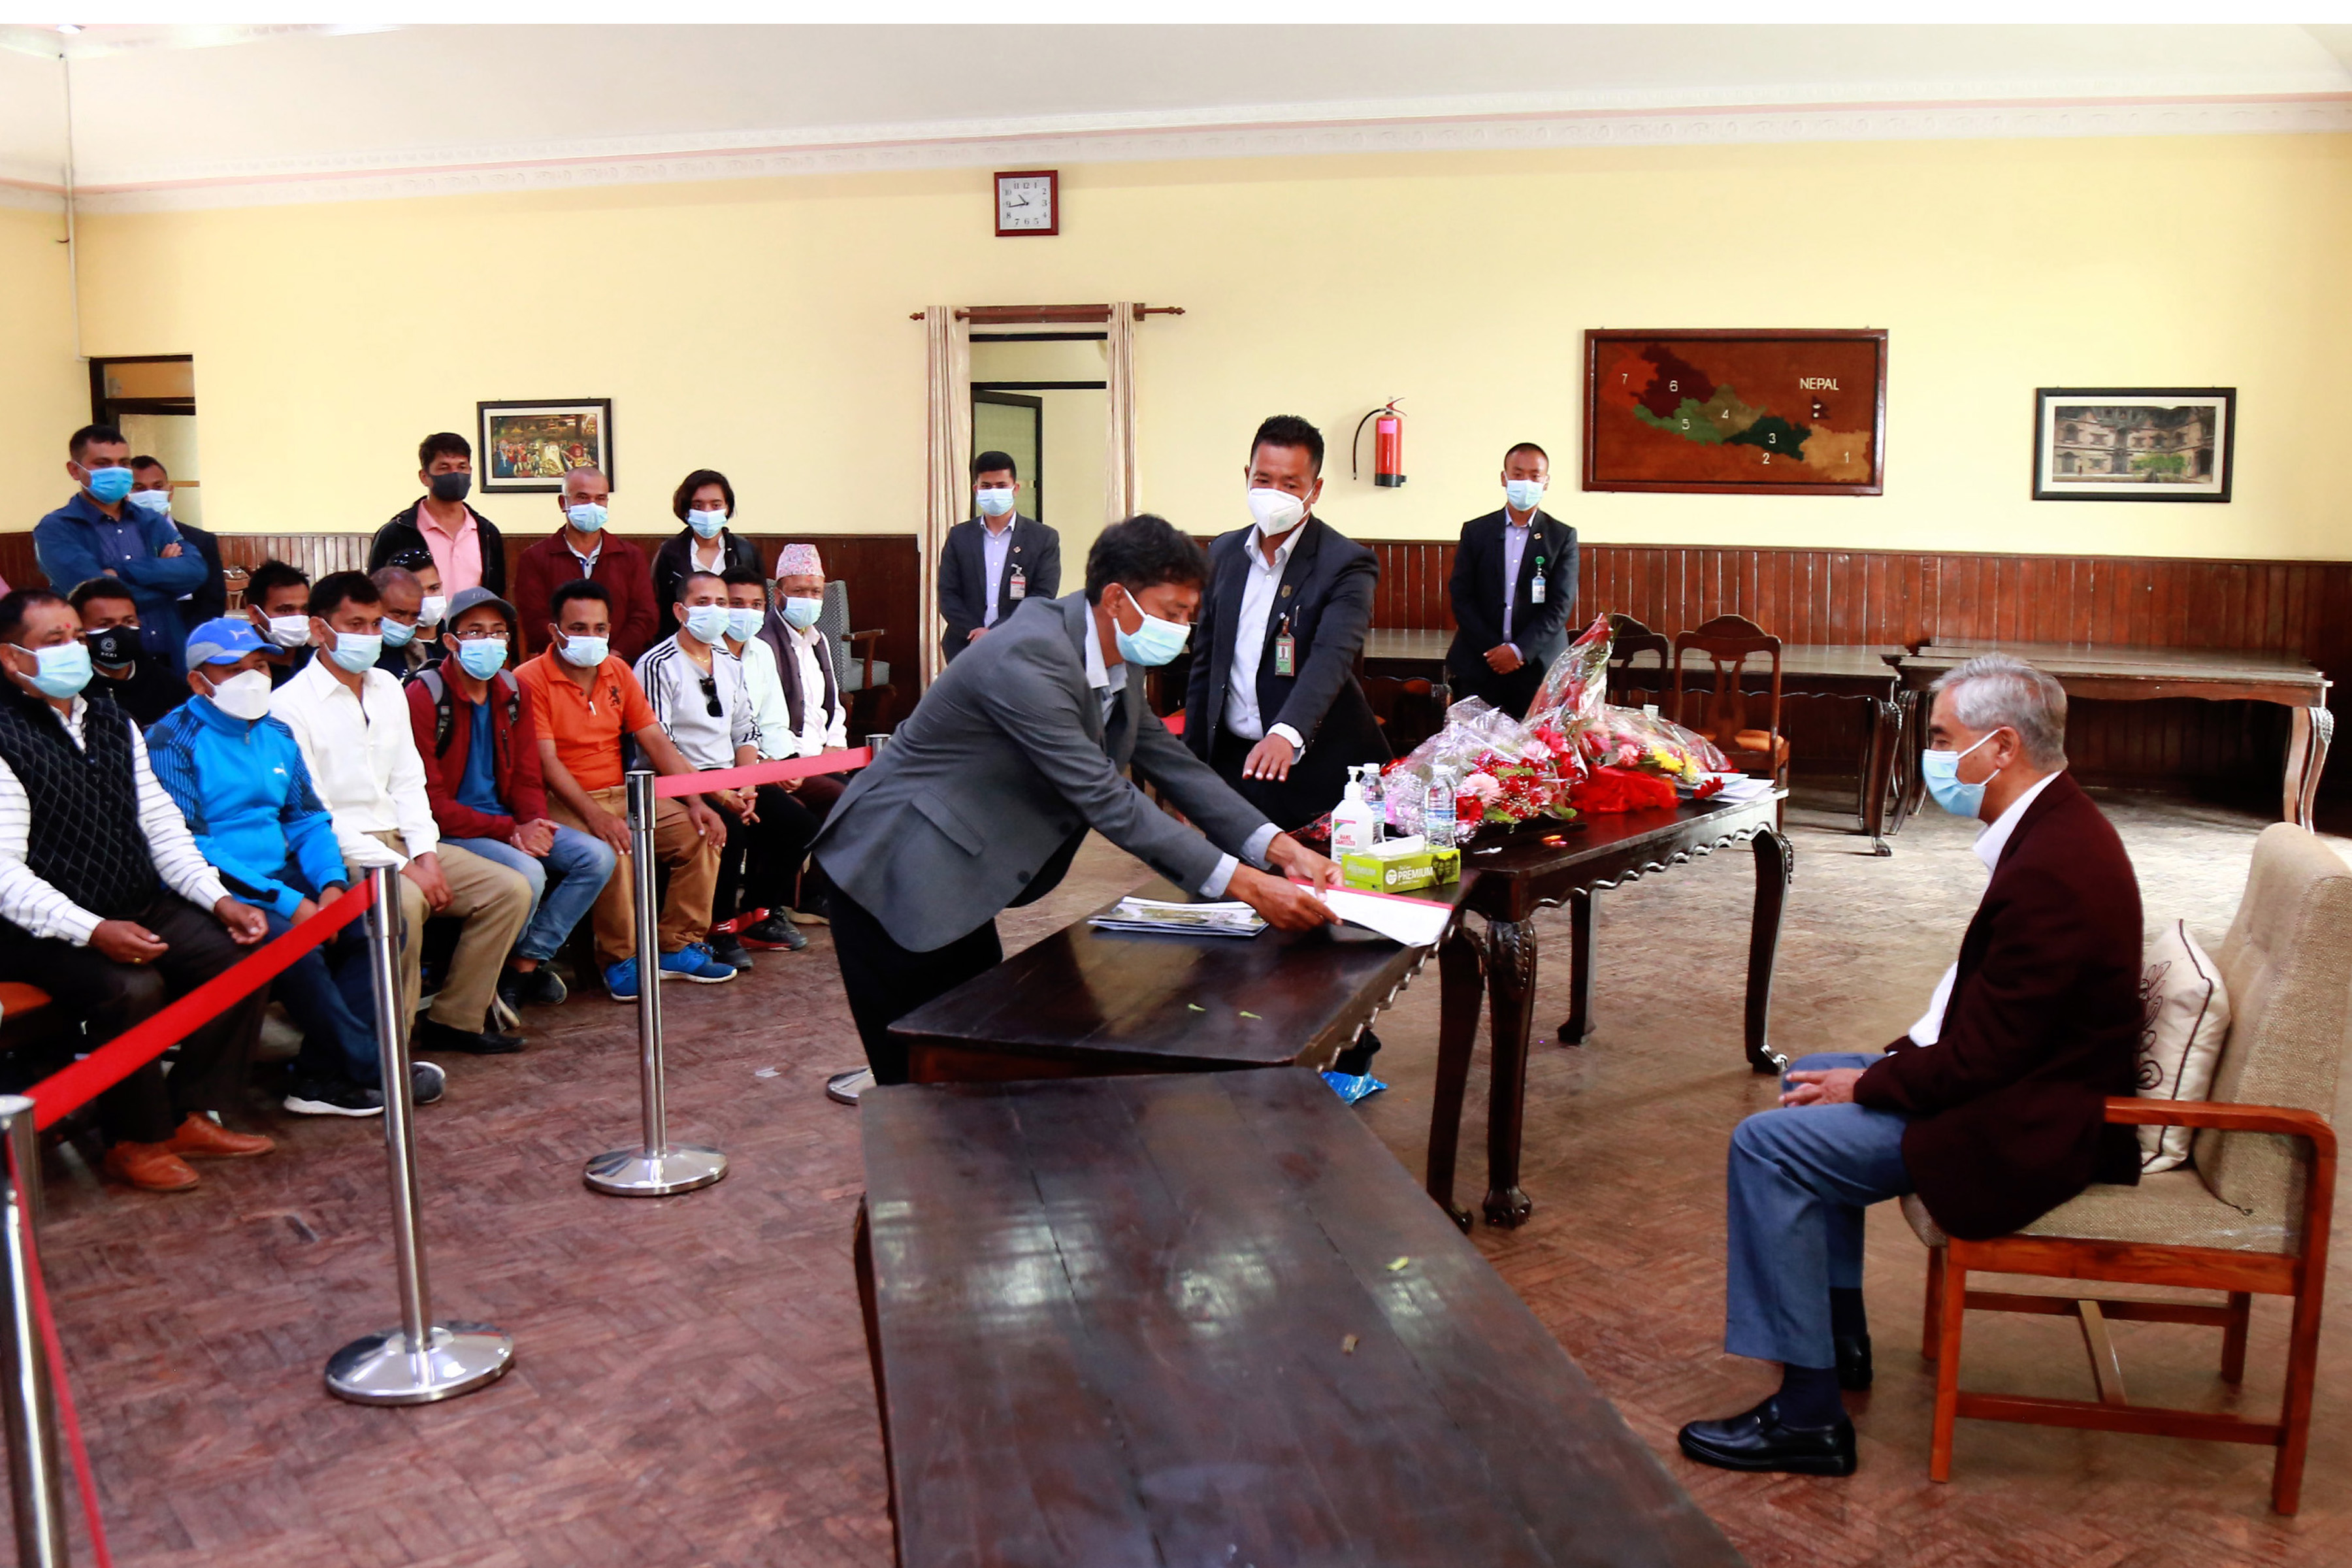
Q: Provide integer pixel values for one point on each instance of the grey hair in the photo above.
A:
(1994, 690)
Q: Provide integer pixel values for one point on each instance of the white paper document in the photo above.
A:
(1416, 922)
(1739, 786)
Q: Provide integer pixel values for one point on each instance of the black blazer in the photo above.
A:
(402, 534)
(1327, 592)
(1537, 630)
(211, 600)
(675, 559)
(964, 576)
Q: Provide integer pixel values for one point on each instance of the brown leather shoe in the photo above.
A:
(150, 1167)
(202, 1138)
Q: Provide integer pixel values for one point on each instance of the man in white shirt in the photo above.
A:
(107, 904)
(352, 721)
(699, 692)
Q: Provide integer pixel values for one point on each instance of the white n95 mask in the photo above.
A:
(1278, 512)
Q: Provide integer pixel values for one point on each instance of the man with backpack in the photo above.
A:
(474, 732)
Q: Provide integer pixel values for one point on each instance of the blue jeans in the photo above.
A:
(331, 1003)
(579, 864)
(1800, 1177)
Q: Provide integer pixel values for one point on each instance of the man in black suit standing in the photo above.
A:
(151, 491)
(1505, 640)
(994, 561)
(1274, 705)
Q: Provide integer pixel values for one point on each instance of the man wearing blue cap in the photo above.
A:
(238, 776)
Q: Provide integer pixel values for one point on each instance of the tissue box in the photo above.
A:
(1401, 869)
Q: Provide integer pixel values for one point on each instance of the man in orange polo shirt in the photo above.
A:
(586, 700)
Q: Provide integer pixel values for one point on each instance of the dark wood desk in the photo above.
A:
(2138, 674)
(1206, 1319)
(1085, 1002)
(1506, 880)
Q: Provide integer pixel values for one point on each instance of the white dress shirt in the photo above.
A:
(1988, 846)
(362, 759)
(823, 728)
(1514, 552)
(769, 713)
(995, 548)
(1259, 586)
(1108, 693)
(30, 902)
(672, 684)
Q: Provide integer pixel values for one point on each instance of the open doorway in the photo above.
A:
(1042, 395)
(152, 399)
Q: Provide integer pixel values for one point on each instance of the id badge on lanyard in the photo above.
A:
(1286, 650)
(1017, 587)
(1536, 589)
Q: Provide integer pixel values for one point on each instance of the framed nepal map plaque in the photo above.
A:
(1736, 412)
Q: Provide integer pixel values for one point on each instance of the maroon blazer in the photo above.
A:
(547, 565)
(2044, 1024)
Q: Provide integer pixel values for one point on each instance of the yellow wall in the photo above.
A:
(762, 326)
(44, 389)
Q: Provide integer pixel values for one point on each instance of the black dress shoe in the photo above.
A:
(1357, 1059)
(1852, 1361)
(1756, 1440)
(432, 1034)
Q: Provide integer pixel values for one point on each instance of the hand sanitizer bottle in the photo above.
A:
(1437, 811)
(1352, 826)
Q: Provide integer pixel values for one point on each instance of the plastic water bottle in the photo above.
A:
(1437, 809)
(1376, 800)
(1403, 802)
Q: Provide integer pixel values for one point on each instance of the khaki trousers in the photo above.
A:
(693, 861)
(493, 902)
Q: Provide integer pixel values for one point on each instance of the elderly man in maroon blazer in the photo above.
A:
(1990, 1108)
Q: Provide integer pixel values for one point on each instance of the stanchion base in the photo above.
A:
(379, 1369)
(636, 1173)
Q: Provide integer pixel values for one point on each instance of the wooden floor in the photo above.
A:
(691, 1385)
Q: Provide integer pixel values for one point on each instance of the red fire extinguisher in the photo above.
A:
(1388, 446)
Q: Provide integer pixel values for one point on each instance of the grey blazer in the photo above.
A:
(986, 790)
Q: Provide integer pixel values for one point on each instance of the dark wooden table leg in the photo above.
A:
(1459, 967)
(861, 1256)
(1583, 910)
(1510, 998)
(2306, 755)
(1908, 782)
(1774, 867)
(1885, 735)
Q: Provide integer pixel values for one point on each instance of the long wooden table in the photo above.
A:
(2114, 673)
(1206, 1319)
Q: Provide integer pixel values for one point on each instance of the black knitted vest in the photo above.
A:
(86, 841)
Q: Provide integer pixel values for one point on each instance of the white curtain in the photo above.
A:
(948, 492)
(1119, 472)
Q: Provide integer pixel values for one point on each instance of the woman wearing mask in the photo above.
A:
(704, 503)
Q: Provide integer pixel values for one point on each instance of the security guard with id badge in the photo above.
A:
(1274, 705)
(1514, 587)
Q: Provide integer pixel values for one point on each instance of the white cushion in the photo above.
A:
(2185, 1012)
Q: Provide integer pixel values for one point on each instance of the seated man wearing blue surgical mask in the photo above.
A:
(412, 615)
(1990, 1108)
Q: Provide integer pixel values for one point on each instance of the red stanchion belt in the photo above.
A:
(64, 1092)
(669, 787)
(67, 1417)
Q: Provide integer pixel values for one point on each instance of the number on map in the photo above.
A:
(1674, 387)
(1768, 459)
(1771, 438)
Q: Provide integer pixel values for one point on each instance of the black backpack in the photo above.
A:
(445, 720)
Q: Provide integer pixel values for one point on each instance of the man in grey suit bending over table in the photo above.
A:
(985, 792)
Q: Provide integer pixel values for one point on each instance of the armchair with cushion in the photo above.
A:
(1729, 642)
(2248, 1214)
(864, 681)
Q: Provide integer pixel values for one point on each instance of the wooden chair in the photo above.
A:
(1409, 710)
(2248, 1214)
(864, 681)
(1729, 642)
(1628, 640)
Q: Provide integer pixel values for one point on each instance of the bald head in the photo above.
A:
(582, 485)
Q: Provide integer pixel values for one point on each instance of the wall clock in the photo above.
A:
(1028, 201)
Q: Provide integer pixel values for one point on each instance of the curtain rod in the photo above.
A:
(1014, 315)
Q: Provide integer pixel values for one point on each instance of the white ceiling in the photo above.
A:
(200, 116)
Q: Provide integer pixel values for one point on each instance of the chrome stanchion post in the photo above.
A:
(421, 1361)
(36, 1459)
(658, 1167)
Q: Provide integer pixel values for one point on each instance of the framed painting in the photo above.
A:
(1736, 412)
(527, 447)
(2134, 443)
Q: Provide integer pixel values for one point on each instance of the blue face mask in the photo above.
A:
(802, 614)
(1941, 772)
(64, 668)
(109, 485)
(397, 634)
(356, 651)
(482, 657)
(586, 653)
(1522, 494)
(708, 622)
(587, 517)
(1153, 642)
(706, 524)
(994, 502)
(741, 623)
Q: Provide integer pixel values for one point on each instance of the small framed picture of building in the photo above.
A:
(2134, 443)
(527, 446)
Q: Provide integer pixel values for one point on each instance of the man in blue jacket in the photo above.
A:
(238, 775)
(96, 535)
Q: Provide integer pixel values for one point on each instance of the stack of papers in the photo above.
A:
(1230, 919)
(1416, 922)
(1740, 787)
